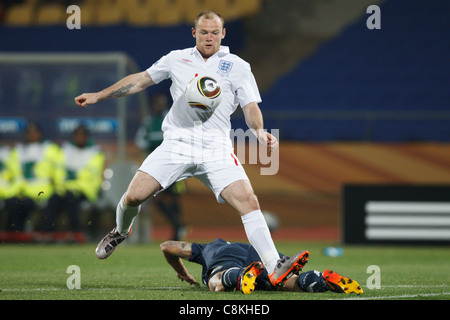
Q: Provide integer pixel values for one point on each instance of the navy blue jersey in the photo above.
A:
(222, 255)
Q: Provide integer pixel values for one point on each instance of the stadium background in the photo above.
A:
(353, 105)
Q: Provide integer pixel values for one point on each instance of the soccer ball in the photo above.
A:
(203, 93)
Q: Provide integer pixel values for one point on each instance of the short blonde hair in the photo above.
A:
(208, 14)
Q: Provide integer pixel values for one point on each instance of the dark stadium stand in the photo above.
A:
(387, 85)
(373, 85)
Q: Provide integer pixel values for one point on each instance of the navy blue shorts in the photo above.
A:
(222, 255)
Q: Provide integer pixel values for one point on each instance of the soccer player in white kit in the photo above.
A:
(197, 143)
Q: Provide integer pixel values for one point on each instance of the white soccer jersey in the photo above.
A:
(206, 128)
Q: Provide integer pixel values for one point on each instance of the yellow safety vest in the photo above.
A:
(80, 170)
(33, 166)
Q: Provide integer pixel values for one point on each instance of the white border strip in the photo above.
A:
(407, 207)
(372, 220)
(408, 234)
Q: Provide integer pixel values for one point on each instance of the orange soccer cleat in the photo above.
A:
(247, 279)
(340, 284)
(287, 267)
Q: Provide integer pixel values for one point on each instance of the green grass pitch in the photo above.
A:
(140, 272)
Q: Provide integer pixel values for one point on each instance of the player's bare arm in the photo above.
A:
(254, 120)
(129, 85)
(174, 251)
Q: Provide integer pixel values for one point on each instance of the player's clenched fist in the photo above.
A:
(85, 99)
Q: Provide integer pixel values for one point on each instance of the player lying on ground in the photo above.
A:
(235, 266)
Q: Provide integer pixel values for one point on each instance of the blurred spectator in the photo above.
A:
(148, 137)
(32, 164)
(5, 172)
(78, 177)
(5, 178)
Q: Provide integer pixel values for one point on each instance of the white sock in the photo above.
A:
(259, 236)
(125, 216)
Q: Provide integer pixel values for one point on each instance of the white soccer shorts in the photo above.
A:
(177, 160)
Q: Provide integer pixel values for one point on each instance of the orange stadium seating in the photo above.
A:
(133, 12)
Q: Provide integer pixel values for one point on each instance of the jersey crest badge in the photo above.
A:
(225, 68)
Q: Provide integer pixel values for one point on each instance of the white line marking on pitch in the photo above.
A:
(90, 289)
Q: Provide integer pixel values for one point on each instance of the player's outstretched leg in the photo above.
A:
(247, 278)
(287, 267)
(340, 284)
(109, 243)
